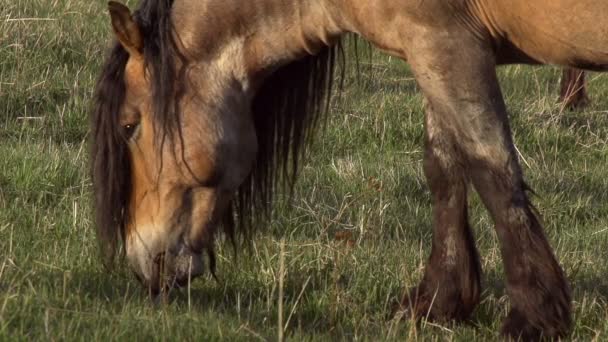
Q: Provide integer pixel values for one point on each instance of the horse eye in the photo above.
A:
(128, 130)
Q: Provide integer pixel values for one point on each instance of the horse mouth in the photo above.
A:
(172, 271)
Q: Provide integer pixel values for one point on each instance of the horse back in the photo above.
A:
(564, 32)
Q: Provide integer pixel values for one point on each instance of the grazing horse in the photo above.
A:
(204, 107)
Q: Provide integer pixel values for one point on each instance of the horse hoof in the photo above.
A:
(576, 103)
(517, 327)
(441, 307)
(420, 303)
(414, 305)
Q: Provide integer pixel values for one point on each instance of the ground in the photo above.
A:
(356, 232)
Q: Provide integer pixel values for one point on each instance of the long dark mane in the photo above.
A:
(286, 110)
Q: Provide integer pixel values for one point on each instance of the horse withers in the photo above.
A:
(204, 107)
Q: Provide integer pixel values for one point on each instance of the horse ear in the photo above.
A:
(126, 30)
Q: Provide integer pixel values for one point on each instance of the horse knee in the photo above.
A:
(440, 166)
(442, 159)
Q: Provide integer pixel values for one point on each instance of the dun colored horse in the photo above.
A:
(204, 107)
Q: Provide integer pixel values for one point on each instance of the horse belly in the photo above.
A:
(564, 32)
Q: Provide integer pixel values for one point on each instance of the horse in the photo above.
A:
(203, 109)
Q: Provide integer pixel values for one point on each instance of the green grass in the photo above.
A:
(363, 176)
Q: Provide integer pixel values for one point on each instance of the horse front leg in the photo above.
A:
(456, 71)
(451, 285)
(536, 285)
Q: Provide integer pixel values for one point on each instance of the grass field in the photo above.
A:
(363, 176)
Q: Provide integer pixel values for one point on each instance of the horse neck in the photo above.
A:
(254, 38)
(288, 30)
(270, 32)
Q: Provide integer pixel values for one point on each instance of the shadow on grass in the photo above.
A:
(248, 302)
(106, 286)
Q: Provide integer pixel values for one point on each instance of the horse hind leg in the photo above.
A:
(456, 72)
(573, 93)
(450, 286)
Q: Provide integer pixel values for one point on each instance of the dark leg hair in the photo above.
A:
(451, 284)
(573, 93)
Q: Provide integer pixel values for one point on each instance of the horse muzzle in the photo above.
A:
(167, 270)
